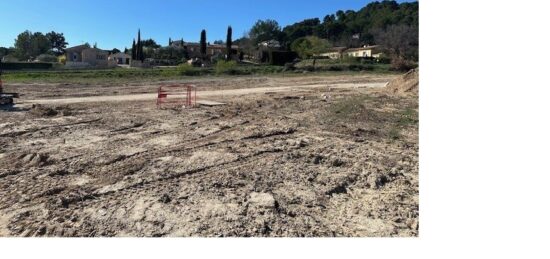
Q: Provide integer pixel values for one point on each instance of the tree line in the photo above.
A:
(29, 45)
(388, 23)
(142, 49)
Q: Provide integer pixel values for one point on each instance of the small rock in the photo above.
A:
(41, 231)
(376, 180)
(165, 198)
(264, 200)
(317, 159)
(303, 142)
(337, 162)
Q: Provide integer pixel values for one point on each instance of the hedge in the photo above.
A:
(24, 65)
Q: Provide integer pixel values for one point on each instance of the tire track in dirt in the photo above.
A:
(37, 228)
(93, 196)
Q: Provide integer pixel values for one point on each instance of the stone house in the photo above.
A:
(194, 48)
(120, 58)
(84, 56)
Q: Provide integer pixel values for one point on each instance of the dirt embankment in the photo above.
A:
(406, 84)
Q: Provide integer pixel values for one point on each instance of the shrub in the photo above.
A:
(188, 70)
(350, 60)
(62, 59)
(226, 67)
(25, 65)
(289, 67)
(309, 68)
(10, 58)
(47, 58)
(401, 64)
(335, 68)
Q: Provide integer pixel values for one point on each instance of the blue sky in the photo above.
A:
(114, 23)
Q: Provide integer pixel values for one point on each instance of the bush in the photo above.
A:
(25, 65)
(62, 59)
(289, 67)
(335, 68)
(188, 70)
(280, 58)
(401, 64)
(47, 58)
(10, 58)
(226, 67)
(309, 68)
(350, 60)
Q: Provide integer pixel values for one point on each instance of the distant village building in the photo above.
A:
(365, 52)
(272, 44)
(177, 43)
(334, 53)
(120, 58)
(83, 56)
(194, 48)
(214, 49)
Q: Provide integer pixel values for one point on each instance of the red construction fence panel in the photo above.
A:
(177, 95)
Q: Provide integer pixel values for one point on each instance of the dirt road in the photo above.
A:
(202, 94)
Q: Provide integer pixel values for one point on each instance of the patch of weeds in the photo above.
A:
(394, 133)
(408, 117)
(348, 108)
(188, 70)
(226, 67)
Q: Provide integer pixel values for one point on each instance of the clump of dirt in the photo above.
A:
(406, 84)
(42, 111)
(64, 111)
(26, 160)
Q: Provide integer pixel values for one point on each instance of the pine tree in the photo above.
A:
(203, 43)
(228, 42)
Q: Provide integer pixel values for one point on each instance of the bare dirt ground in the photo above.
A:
(311, 160)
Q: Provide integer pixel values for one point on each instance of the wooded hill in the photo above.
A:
(386, 23)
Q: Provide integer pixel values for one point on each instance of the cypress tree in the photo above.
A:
(228, 42)
(142, 55)
(169, 41)
(134, 50)
(139, 53)
(203, 43)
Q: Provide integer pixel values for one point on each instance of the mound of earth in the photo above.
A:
(44, 111)
(405, 84)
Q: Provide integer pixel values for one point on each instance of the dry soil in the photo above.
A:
(318, 156)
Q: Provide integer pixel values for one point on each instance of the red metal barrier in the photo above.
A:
(177, 95)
